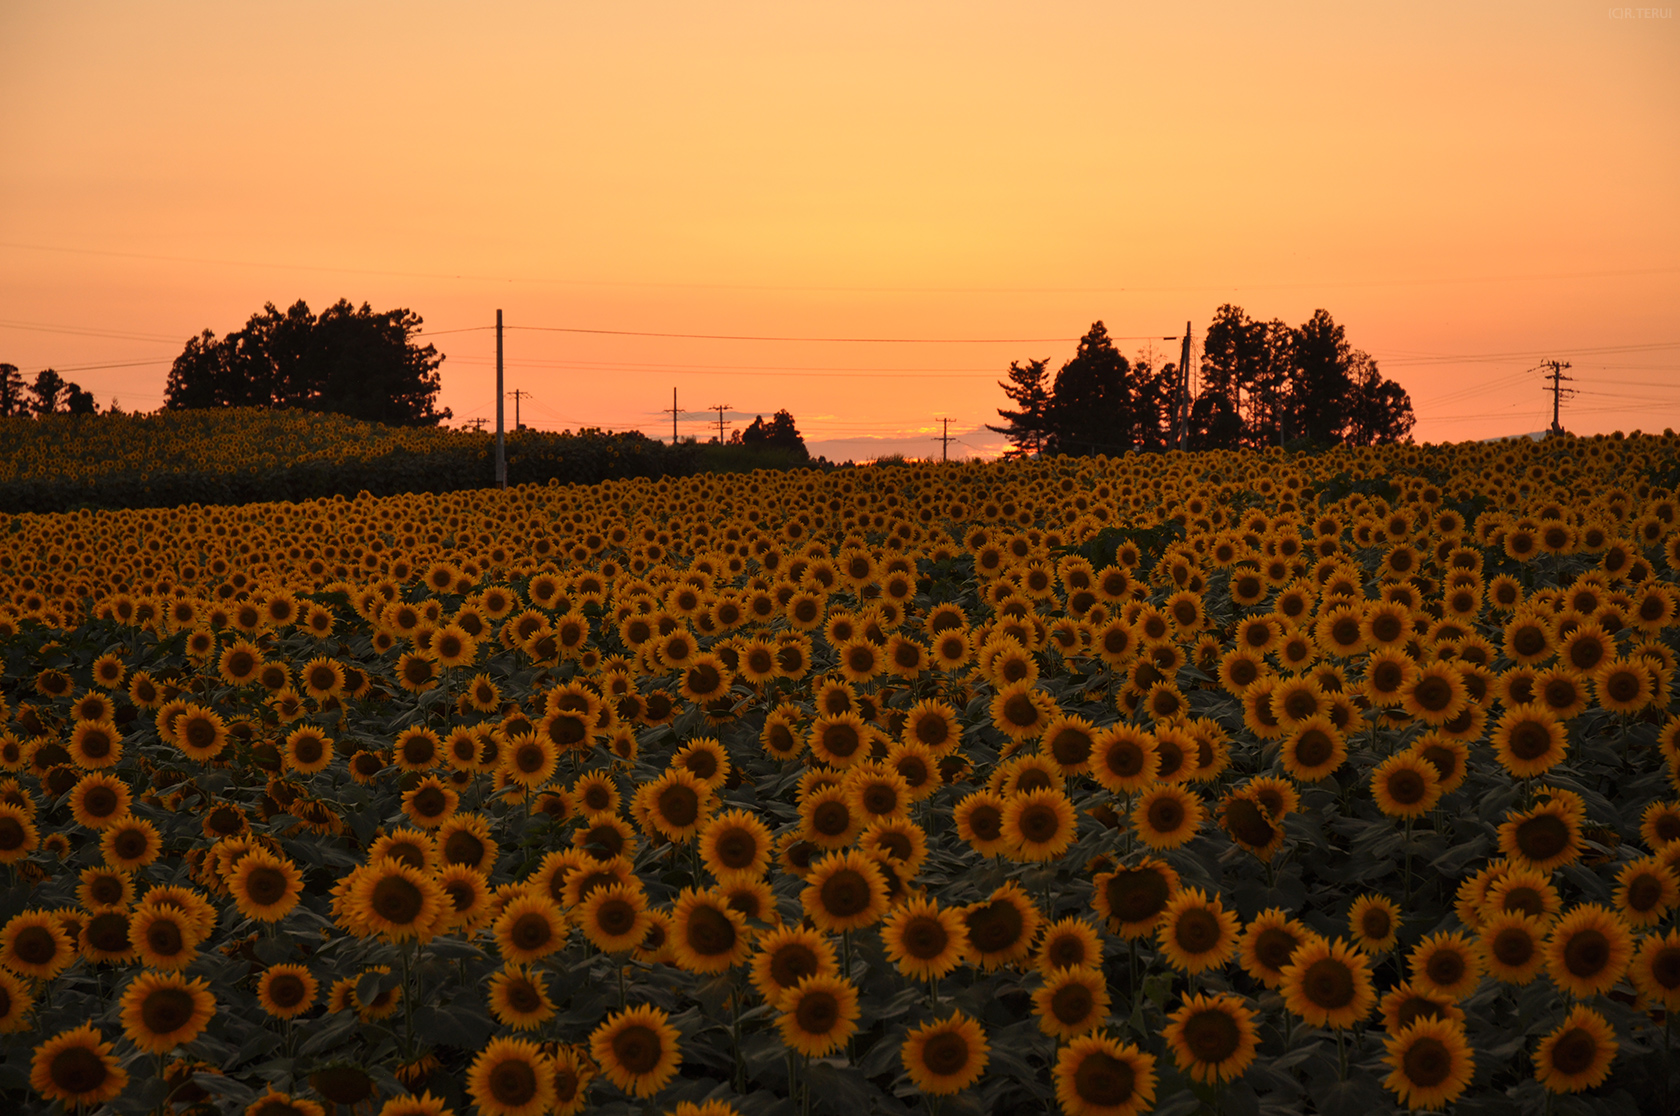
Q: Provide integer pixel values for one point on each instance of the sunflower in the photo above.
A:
(1328, 984)
(788, 955)
(77, 1067)
(1405, 1004)
(239, 663)
(1125, 759)
(95, 745)
(1543, 838)
(1069, 943)
(1435, 694)
(1529, 740)
(130, 843)
(275, 1103)
(1656, 969)
(1623, 686)
(160, 1011)
(679, 804)
(1133, 899)
(1071, 742)
(1446, 963)
(1432, 1063)
(614, 917)
(529, 928)
(840, 740)
(946, 1056)
(1002, 927)
(709, 935)
(1167, 816)
(1562, 691)
(900, 841)
(979, 821)
(1196, 933)
(16, 1003)
(1021, 711)
(924, 940)
(104, 937)
(1374, 921)
(164, 937)
(1388, 674)
(264, 886)
(1178, 756)
(845, 891)
(637, 1049)
(1071, 1002)
(1212, 1037)
(1588, 950)
(818, 1014)
(1100, 1076)
(1038, 824)
(465, 839)
(287, 991)
(1577, 1054)
(1512, 946)
(518, 998)
(397, 902)
(200, 733)
(1646, 889)
(1405, 785)
(511, 1077)
(34, 944)
(1239, 668)
(1313, 750)
(98, 800)
(876, 793)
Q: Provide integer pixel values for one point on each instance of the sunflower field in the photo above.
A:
(1238, 782)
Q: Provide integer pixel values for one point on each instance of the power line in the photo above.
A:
(1557, 389)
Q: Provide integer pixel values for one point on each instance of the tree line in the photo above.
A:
(1261, 384)
(49, 394)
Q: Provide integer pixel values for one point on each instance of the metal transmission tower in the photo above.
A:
(1557, 389)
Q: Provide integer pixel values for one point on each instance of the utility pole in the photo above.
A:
(501, 440)
(673, 410)
(944, 440)
(476, 425)
(517, 396)
(1181, 412)
(720, 408)
(1557, 389)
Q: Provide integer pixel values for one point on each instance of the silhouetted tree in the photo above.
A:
(349, 360)
(48, 390)
(1027, 428)
(1092, 402)
(1379, 410)
(1153, 394)
(12, 389)
(79, 402)
(779, 433)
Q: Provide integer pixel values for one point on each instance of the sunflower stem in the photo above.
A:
(623, 991)
(408, 1004)
(933, 992)
(738, 1076)
(1408, 862)
(1341, 1051)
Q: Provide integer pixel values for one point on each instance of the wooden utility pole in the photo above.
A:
(517, 396)
(476, 425)
(1181, 413)
(720, 408)
(501, 440)
(1557, 389)
(673, 416)
(944, 440)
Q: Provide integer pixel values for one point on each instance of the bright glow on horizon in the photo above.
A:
(1467, 190)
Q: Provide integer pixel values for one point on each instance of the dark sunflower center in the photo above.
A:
(710, 932)
(108, 932)
(463, 847)
(1071, 747)
(1196, 930)
(1445, 968)
(987, 822)
(679, 805)
(1407, 787)
(35, 945)
(946, 1054)
(924, 938)
(1427, 1062)
(637, 1049)
(1103, 1080)
(163, 937)
(1019, 710)
(1530, 740)
(1212, 1036)
(1328, 984)
(430, 802)
(513, 1083)
(1644, 892)
(1137, 894)
(286, 991)
(846, 893)
(1665, 967)
(1376, 923)
(531, 931)
(1072, 1003)
(1314, 748)
(106, 891)
(1513, 947)
(995, 927)
(1586, 953)
(1166, 814)
(396, 899)
(880, 798)
(791, 964)
(1415, 1008)
(1542, 837)
(1040, 823)
(1574, 1051)
(841, 739)
(1274, 947)
(831, 818)
(522, 996)
(616, 917)
(76, 1069)
(817, 1012)
(166, 1010)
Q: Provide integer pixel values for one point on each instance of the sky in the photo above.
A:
(1467, 189)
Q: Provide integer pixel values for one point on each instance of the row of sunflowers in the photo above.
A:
(1246, 783)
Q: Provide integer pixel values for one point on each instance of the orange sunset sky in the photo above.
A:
(1467, 188)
